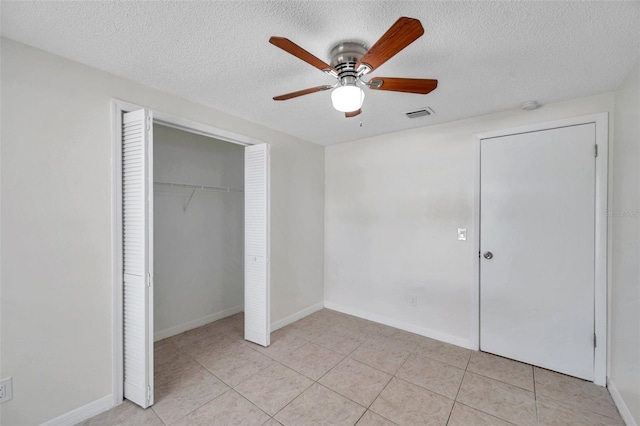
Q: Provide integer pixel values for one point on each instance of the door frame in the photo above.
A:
(601, 121)
(117, 108)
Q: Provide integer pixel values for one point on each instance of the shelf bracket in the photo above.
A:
(184, 209)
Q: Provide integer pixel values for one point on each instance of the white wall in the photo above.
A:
(198, 252)
(625, 220)
(393, 204)
(57, 258)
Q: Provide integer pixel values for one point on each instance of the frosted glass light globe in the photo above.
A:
(347, 98)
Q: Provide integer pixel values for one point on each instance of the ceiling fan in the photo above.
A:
(351, 61)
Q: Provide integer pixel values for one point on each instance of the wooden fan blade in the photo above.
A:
(302, 92)
(352, 113)
(297, 51)
(401, 34)
(407, 85)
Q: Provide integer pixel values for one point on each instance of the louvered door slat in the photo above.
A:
(137, 257)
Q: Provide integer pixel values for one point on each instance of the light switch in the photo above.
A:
(462, 234)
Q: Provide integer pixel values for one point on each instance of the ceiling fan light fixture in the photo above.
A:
(350, 60)
(347, 98)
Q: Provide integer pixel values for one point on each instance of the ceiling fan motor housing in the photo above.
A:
(344, 57)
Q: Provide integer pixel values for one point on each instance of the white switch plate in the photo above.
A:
(462, 234)
(6, 390)
(414, 301)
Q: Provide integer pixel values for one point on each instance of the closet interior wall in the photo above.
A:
(198, 233)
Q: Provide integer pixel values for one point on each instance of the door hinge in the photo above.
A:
(149, 395)
(148, 123)
(148, 279)
(596, 150)
(594, 340)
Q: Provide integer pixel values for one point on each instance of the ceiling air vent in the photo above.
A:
(420, 113)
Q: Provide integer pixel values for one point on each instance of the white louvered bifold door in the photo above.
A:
(256, 244)
(137, 203)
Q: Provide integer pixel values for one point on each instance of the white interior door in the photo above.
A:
(256, 243)
(537, 209)
(137, 202)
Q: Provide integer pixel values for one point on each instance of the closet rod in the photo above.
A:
(196, 187)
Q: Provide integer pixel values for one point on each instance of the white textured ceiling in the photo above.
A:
(487, 56)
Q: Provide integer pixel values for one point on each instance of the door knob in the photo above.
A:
(488, 255)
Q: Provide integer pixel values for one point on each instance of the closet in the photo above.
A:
(198, 230)
(191, 207)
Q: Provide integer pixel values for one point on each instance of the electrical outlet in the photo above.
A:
(6, 390)
(414, 301)
(462, 234)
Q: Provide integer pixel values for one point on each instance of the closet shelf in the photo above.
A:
(194, 188)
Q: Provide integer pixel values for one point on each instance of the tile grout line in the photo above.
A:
(455, 400)
(379, 393)
(315, 381)
(292, 369)
(246, 399)
(490, 415)
(378, 396)
(427, 389)
(394, 375)
(444, 362)
(331, 369)
(158, 416)
(501, 381)
(231, 388)
(351, 359)
(569, 405)
(199, 406)
(330, 349)
(277, 361)
(361, 416)
(288, 403)
(282, 364)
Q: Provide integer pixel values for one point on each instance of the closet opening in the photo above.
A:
(191, 238)
(198, 230)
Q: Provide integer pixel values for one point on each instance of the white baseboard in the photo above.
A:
(295, 317)
(622, 407)
(443, 337)
(83, 413)
(181, 328)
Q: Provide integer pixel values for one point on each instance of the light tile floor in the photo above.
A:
(334, 369)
